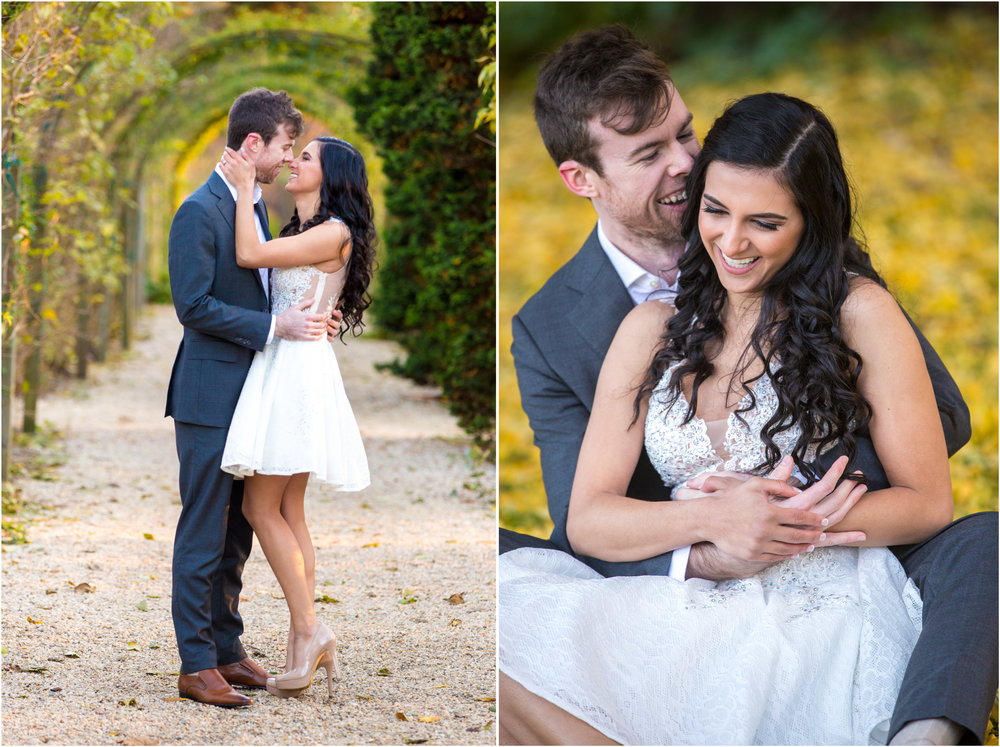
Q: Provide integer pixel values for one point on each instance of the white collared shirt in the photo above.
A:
(642, 286)
(257, 192)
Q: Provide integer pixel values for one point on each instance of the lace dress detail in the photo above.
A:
(293, 414)
(810, 651)
(683, 447)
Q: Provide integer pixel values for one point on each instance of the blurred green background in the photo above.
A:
(912, 91)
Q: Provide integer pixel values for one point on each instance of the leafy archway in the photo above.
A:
(102, 104)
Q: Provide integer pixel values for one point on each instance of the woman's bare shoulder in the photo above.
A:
(649, 316)
(866, 300)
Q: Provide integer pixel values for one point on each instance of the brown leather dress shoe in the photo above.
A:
(245, 673)
(208, 686)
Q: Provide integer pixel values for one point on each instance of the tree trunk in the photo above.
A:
(11, 215)
(35, 324)
(82, 347)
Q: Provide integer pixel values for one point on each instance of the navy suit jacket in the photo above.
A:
(560, 338)
(222, 306)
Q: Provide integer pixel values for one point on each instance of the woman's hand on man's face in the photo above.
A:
(238, 168)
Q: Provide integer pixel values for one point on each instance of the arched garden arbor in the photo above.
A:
(104, 104)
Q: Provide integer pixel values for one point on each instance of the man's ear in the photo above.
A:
(252, 143)
(578, 178)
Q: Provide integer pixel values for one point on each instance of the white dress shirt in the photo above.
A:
(643, 285)
(263, 271)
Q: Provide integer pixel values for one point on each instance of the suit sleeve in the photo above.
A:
(954, 412)
(192, 264)
(559, 419)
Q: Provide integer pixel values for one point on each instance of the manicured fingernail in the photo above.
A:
(810, 548)
(822, 537)
(825, 522)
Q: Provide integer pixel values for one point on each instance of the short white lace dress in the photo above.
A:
(293, 414)
(810, 651)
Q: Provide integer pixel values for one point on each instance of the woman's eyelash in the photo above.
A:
(761, 223)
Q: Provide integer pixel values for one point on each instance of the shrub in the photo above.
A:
(419, 104)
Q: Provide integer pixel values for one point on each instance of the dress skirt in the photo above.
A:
(293, 416)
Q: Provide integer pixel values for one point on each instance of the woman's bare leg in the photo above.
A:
(262, 500)
(525, 718)
(293, 512)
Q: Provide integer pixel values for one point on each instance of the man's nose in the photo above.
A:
(679, 161)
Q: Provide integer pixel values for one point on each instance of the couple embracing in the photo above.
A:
(744, 444)
(256, 393)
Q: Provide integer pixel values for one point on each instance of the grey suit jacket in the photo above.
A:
(222, 306)
(560, 338)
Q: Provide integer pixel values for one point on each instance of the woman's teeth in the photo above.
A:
(739, 263)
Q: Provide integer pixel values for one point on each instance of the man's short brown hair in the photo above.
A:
(605, 73)
(262, 111)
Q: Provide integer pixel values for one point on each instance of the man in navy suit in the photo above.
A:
(225, 312)
(621, 136)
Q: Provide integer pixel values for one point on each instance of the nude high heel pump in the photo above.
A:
(320, 651)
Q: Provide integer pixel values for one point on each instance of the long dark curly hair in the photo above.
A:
(344, 195)
(798, 334)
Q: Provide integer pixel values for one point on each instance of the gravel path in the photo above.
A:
(406, 570)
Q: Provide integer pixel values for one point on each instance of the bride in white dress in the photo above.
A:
(293, 418)
(783, 343)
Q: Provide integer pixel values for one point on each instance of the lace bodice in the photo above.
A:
(680, 451)
(289, 285)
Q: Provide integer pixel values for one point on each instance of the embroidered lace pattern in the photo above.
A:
(680, 450)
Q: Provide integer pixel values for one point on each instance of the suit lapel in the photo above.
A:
(227, 208)
(261, 209)
(603, 300)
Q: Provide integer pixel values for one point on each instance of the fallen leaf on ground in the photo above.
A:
(130, 702)
(371, 544)
(326, 599)
(147, 535)
(457, 598)
(131, 646)
(142, 606)
(33, 621)
(401, 716)
(84, 588)
(175, 699)
(383, 672)
(428, 719)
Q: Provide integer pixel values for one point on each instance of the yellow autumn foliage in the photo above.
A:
(920, 143)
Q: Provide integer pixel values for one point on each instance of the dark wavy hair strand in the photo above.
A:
(344, 195)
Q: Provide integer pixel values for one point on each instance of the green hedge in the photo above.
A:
(436, 284)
